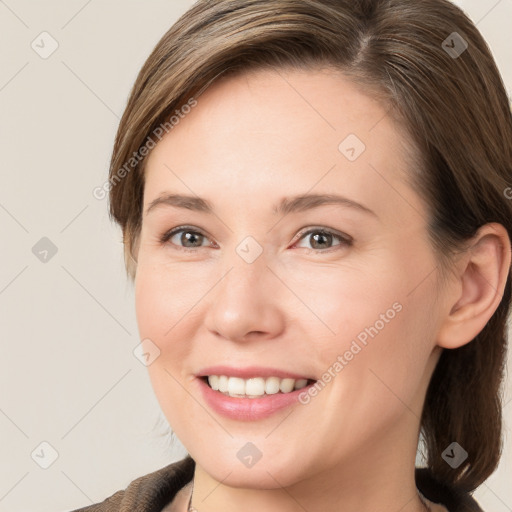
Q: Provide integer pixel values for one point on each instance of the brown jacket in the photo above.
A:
(156, 490)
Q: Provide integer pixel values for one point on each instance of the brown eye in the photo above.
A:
(185, 238)
(190, 237)
(321, 239)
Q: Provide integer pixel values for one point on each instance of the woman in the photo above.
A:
(315, 203)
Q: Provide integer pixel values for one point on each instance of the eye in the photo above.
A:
(323, 238)
(187, 236)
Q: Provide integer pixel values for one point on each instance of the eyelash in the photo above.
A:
(345, 240)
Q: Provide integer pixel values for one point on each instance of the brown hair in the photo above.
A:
(454, 108)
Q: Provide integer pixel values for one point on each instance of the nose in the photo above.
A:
(246, 304)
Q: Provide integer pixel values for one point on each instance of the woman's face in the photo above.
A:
(265, 285)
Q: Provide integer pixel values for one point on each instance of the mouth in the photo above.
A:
(255, 387)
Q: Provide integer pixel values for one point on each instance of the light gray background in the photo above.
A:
(68, 375)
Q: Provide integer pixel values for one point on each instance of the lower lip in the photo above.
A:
(248, 409)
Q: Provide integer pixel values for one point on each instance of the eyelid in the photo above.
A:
(318, 229)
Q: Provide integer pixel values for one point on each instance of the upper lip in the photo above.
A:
(250, 372)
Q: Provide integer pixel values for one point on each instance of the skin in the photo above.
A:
(249, 142)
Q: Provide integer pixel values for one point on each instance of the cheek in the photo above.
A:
(168, 308)
(165, 293)
(160, 303)
(384, 344)
(383, 328)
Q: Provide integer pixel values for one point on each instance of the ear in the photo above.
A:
(478, 288)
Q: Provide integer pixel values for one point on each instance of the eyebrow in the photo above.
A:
(287, 205)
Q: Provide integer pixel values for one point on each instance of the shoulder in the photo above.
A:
(148, 493)
(454, 500)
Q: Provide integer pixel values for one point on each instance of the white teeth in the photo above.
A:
(223, 383)
(272, 386)
(255, 387)
(286, 385)
(236, 386)
(214, 382)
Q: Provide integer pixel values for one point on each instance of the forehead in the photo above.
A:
(281, 130)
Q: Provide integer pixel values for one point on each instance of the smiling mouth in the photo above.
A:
(256, 387)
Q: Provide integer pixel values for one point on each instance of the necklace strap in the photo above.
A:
(190, 507)
(423, 501)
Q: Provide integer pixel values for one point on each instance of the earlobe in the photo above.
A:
(485, 269)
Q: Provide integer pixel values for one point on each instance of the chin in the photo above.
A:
(265, 474)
